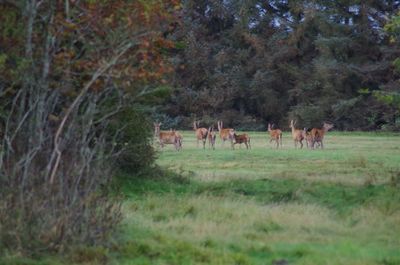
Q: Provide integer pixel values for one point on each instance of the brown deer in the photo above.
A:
(275, 135)
(298, 135)
(201, 133)
(317, 135)
(224, 133)
(211, 137)
(239, 139)
(179, 139)
(168, 137)
(308, 138)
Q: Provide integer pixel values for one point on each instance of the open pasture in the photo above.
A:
(340, 205)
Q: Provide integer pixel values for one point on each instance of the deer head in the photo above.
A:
(157, 128)
(327, 126)
(220, 125)
(231, 134)
(292, 124)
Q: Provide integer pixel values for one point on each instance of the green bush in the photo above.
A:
(133, 141)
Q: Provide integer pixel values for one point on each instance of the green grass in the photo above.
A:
(340, 205)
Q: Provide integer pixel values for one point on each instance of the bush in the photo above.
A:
(54, 196)
(134, 141)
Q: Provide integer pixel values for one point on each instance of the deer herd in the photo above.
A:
(313, 137)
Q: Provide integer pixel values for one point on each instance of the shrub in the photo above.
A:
(134, 141)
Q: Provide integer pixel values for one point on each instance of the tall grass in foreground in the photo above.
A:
(340, 205)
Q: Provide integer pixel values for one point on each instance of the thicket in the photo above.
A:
(72, 75)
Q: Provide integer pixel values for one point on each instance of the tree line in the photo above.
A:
(253, 62)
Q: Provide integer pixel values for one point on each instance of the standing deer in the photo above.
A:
(275, 135)
(298, 135)
(211, 137)
(239, 139)
(168, 137)
(317, 135)
(201, 133)
(308, 138)
(224, 133)
(179, 139)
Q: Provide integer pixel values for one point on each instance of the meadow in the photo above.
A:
(340, 205)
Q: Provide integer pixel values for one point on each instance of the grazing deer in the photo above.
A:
(168, 137)
(239, 139)
(317, 135)
(298, 135)
(275, 135)
(211, 138)
(224, 133)
(201, 133)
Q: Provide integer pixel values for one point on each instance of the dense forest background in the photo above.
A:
(252, 62)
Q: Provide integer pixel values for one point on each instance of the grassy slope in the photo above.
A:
(340, 205)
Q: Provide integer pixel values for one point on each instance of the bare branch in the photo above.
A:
(60, 129)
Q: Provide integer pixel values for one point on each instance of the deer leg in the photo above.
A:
(322, 145)
(301, 144)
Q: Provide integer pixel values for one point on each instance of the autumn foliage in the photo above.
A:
(67, 70)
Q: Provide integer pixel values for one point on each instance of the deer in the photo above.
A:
(224, 134)
(179, 139)
(308, 138)
(201, 133)
(317, 135)
(275, 135)
(298, 135)
(211, 135)
(168, 137)
(239, 139)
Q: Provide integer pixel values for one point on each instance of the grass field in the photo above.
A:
(340, 205)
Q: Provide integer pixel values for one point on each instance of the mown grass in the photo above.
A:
(340, 205)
